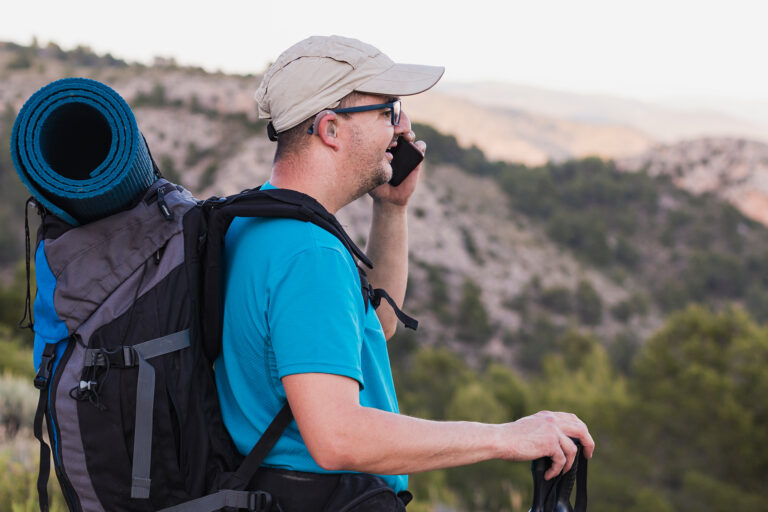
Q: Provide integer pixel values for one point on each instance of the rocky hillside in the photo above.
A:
(733, 169)
(504, 258)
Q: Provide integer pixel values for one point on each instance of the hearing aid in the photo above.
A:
(319, 117)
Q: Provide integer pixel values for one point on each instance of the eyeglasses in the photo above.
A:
(393, 106)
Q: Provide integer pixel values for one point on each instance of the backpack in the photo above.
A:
(127, 327)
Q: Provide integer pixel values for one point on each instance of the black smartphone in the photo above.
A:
(406, 157)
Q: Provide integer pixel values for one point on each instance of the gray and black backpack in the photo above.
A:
(127, 326)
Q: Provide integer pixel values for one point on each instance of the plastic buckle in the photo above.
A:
(259, 501)
(44, 372)
(96, 358)
(375, 295)
(129, 356)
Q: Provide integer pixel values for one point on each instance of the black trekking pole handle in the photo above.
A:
(554, 495)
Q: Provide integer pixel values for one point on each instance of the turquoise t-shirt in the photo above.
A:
(293, 304)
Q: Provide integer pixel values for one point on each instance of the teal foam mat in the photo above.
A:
(77, 148)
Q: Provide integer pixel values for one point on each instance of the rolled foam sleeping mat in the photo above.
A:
(77, 148)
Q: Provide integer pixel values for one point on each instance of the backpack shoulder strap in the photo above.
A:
(277, 203)
(274, 203)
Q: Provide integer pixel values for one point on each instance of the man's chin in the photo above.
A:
(387, 172)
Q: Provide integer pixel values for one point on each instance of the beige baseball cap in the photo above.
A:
(314, 74)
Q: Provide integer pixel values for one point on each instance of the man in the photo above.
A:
(296, 327)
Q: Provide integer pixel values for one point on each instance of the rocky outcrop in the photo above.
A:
(733, 169)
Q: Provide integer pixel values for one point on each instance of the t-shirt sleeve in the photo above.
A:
(315, 319)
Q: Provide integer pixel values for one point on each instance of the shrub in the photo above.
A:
(472, 321)
(15, 358)
(623, 349)
(208, 176)
(471, 246)
(589, 305)
(536, 341)
(625, 253)
(635, 305)
(154, 98)
(622, 311)
(757, 303)
(439, 293)
(22, 60)
(557, 299)
(585, 234)
(714, 273)
(18, 402)
(168, 169)
(18, 486)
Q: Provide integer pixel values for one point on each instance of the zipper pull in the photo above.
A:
(167, 212)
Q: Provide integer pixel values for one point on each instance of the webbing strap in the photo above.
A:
(145, 398)
(261, 449)
(374, 296)
(42, 383)
(258, 501)
(45, 452)
(125, 358)
(380, 293)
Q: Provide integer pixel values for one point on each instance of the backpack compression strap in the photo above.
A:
(145, 397)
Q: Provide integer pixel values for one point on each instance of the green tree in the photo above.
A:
(701, 386)
(509, 391)
(557, 299)
(589, 305)
(581, 379)
(422, 393)
(439, 293)
(701, 492)
(472, 321)
(473, 402)
(536, 339)
(647, 500)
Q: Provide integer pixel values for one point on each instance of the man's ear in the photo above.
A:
(325, 128)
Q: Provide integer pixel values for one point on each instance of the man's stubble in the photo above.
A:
(368, 164)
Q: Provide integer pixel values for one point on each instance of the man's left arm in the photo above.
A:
(388, 243)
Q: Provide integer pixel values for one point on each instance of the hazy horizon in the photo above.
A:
(653, 51)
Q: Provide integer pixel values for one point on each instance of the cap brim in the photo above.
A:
(403, 80)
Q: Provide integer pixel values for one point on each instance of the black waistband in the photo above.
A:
(296, 491)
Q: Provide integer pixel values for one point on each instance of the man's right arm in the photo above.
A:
(342, 435)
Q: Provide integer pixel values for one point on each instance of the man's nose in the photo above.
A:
(404, 126)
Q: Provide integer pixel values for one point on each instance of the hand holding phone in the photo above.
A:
(406, 157)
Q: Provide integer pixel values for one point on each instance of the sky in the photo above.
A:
(652, 49)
